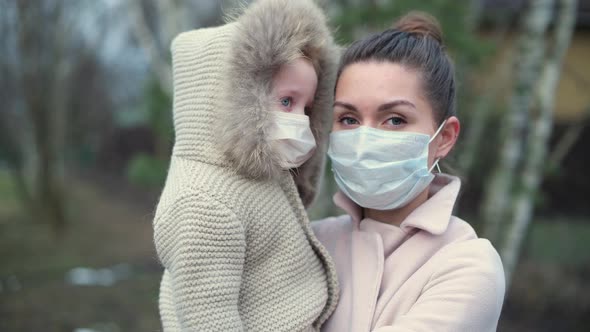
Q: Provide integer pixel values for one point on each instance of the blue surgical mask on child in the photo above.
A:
(380, 169)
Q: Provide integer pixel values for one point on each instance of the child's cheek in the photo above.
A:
(298, 110)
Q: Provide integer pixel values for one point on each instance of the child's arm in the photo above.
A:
(202, 246)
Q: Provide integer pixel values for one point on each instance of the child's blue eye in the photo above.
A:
(286, 101)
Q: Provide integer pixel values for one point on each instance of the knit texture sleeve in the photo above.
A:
(464, 294)
(201, 244)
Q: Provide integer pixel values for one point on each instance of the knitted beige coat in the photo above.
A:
(230, 228)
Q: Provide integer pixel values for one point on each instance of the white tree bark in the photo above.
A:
(527, 64)
(538, 136)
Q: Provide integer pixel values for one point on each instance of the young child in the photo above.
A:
(231, 228)
(293, 89)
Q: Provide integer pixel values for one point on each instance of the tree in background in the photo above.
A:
(50, 82)
(39, 80)
(537, 115)
(527, 70)
(481, 95)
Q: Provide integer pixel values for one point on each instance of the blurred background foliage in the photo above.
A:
(86, 133)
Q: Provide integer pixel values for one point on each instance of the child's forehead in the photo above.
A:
(301, 63)
(295, 73)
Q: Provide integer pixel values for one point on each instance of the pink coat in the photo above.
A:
(430, 274)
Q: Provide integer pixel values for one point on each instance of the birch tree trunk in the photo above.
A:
(43, 70)
(527, 67)
(538, 136)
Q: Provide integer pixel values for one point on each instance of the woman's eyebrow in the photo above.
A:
(395, 103)
(348, 106)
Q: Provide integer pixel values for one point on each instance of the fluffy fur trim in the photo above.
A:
(271, 33)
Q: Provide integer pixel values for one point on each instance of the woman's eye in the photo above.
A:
(286, 101)
(348, 121)
(396, 121)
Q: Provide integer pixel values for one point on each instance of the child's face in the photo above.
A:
(294, 86)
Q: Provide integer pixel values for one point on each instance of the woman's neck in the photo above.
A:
(397, 216)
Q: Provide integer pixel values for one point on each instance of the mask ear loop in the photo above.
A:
(437, 131)
(435, 164)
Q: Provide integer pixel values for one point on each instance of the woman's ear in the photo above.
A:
(448, 137)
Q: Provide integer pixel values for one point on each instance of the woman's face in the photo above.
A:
(389, 96)
(384, 96)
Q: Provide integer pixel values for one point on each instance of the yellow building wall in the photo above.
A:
(573, 94)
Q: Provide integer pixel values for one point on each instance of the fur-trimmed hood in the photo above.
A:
(222, 86)
(271, 33)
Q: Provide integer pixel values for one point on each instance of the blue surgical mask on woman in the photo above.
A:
(380, 169)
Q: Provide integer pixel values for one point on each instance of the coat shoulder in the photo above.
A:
(460, 230)
(477, 263)
(481, 251)
(463, 243)
(471, 257)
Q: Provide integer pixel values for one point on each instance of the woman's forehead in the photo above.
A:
(370, 84)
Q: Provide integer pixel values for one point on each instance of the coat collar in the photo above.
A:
(432, 216)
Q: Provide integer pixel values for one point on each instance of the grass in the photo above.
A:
(104, 231)
(9, 204)
(560, 241)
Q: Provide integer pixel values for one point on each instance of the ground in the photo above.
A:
(111, 226)
(106, 230)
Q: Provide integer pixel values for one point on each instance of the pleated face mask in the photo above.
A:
(380, 169)
(293, 139)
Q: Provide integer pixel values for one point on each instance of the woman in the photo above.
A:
(404, 262)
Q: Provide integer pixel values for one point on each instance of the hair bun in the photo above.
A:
(421, 24)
